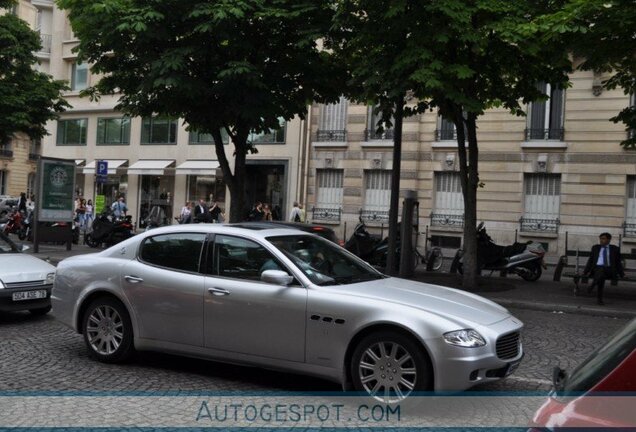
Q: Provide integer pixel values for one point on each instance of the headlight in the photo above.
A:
(50, 278)
(467, 338)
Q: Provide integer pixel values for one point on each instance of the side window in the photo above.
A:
(180, 251)
(239, 258)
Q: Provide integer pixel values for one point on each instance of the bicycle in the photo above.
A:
(433, 257)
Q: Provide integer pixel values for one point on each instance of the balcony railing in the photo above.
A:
(374, 216)
(445, 135)
(539, 225)
(331, 135)
(6, 153)
(375, 135)
(45, 40)
(447, 220)
(325, 214)
(629, 229)
(544, 134)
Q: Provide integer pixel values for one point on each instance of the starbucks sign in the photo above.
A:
(57, 186)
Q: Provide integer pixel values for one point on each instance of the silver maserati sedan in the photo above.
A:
(287, 300)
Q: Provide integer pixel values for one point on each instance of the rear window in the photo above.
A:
(601, 362)
(180, 251)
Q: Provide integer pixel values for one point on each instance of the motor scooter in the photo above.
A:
(522, 259)
(109, 231)
(14, 225)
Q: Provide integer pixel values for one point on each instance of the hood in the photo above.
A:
(20, 267)
(436, 299)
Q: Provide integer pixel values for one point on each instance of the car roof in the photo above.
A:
(262, 225)
(228, 229)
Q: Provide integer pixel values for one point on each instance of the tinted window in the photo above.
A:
(602, 361)
(180, 251)
(239, 258)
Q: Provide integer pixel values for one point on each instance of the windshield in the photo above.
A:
(601, 362)
(6, 245)
(323, 262)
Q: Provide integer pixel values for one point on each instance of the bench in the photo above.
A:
(565, 267)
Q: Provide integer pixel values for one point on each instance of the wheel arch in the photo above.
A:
(86, 301)
(376, 327)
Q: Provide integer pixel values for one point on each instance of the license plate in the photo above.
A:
(29, 295)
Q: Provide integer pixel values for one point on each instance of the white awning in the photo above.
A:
(79, 162)
(198, 167)
(113, 164)
(150, 166)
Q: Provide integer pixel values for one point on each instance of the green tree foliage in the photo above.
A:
(233, 65)
(28, 98)
(461, 57)
(601, 33)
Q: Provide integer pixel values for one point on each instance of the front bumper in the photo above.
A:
(7, 304)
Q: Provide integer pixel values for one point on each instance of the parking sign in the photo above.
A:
(102, 168)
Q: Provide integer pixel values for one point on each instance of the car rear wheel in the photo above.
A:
(40, 311)
(108, 330)
(389, 366)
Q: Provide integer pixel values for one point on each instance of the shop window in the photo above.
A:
(205, 187)
(72, 132)
(159, 130)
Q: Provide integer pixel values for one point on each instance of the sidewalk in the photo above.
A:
(512, 291)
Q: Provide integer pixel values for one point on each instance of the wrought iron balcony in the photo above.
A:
(374, 216)
(629, 229)
(544, 134)
(386, 134)
(45, 41)
(539, 225)
(6, 153)
(325, 214)
(447, 220)
(446, 134)
(331, 135)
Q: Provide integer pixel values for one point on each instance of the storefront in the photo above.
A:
(267, 182)
(114, 185)
(156, 189)
(204, 181)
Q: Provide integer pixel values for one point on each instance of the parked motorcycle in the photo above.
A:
(14, 225)
(374, 249)
(109, 231)
(523, 259)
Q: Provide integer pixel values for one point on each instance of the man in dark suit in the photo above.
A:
(201, 212)
(604, 263)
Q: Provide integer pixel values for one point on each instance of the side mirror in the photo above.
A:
(276, 277)
(24, 248)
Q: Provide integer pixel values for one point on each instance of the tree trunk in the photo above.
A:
(469, 176)
(391, 259)
(235, 181)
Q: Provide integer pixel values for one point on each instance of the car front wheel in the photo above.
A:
(389, 366)
(108, 330)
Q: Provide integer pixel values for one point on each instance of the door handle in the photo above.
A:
(218, 291)
(133, 279)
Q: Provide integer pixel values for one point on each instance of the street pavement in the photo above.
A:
(511, 291)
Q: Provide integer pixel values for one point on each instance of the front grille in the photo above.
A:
(508, 346)
(28, 284)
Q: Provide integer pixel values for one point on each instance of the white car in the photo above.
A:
(285, 299)
(25, 281)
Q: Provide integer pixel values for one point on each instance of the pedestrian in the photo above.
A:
(88, 216)
(267, 212)
(604, 263)
(215, 212)
(186, 213)
(201, 212)
(31, 203)
(295, 215)
(22, 203)
(119, 208)
(256, 215)
(303, 215)
(81, 213)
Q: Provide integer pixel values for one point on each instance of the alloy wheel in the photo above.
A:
(387, 371)
(105, 330)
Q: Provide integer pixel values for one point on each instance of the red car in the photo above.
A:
(599, 393)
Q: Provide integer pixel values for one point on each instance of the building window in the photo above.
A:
(205, 138)
(159, 130)
(448, 210)
(275, 136)
(35, 149)
(630, 211)
(333, 121)
(329, 193)
(113, 131)
(631, 133)
(546, 117)
(79, 76)
(72, 132)
(542, 201)
(371, 132)
(377, 195)
(3, 183)
(5, 150)
(446, 130)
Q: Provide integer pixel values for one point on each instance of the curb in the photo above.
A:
(553, 307)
